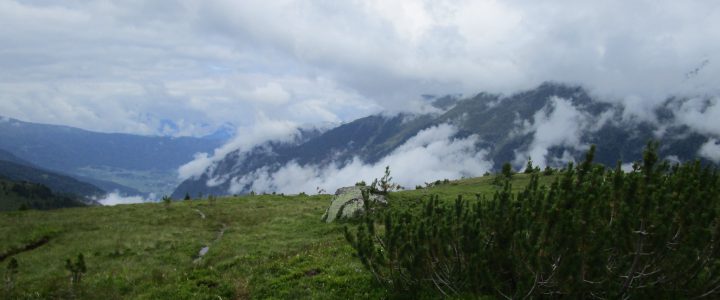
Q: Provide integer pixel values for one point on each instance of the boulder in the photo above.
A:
(348, 203)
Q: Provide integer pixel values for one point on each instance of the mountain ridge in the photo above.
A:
(554, 122)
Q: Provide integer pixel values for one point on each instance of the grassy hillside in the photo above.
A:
(271, 247)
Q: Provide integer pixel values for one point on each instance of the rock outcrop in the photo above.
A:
(348, 203)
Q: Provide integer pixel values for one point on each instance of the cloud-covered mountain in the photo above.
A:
(552, 124)
(114, 161)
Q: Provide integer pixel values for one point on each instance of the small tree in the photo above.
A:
(77, 269)
(187, 196)
(548, 171)
(505, 175)
(385, 184)
(507, 170)
(529, 167)
(166, 201)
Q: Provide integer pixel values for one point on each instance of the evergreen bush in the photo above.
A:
(653, 232)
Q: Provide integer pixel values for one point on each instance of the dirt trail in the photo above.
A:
(204, 250)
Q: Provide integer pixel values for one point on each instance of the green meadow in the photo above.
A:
(265, 246)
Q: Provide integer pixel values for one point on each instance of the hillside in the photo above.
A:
(58, 183)
(271, 246)
(144, 163)
(15, 195)
(553, 123)
(21, 170)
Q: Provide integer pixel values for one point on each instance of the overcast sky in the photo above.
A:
(127, 65)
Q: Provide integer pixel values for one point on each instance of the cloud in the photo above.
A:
(434, 153)
(700, 114)
(711, 150)
(115, 198)
(246, 138)
(195, 167)
(221, 61)
(559, 123)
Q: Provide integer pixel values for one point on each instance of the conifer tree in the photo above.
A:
(529, 167)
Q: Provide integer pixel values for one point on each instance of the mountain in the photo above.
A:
(15, 195)
(553, 123)
(20, 167)
(112, 160)
(24, 175)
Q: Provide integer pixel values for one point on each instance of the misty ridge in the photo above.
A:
(550, 125)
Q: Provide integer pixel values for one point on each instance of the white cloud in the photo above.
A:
(115, 198)
(702, 115)
(245, 138)
(711, 150)
(272, 93)
(432, 154)
(560, 123)
(195, 167)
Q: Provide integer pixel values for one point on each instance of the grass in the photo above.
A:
(273, 247)
(468, 188)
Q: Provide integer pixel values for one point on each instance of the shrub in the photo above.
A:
(594, 233)
(166, 200)
(77, 269)
(548, 171)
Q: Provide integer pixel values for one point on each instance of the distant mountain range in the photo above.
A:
(553, 123)
(130, 164)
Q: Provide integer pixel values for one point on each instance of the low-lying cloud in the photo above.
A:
(434, 153)
(711, 150)
(558, 124)
(116, 198)
(245, 138)
(700, 114)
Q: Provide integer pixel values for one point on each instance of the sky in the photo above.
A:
(135, 66)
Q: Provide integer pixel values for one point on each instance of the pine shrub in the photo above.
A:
(653, 232)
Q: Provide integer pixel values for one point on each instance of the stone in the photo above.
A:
(348, 203)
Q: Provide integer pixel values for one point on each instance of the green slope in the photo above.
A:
(271, 247)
